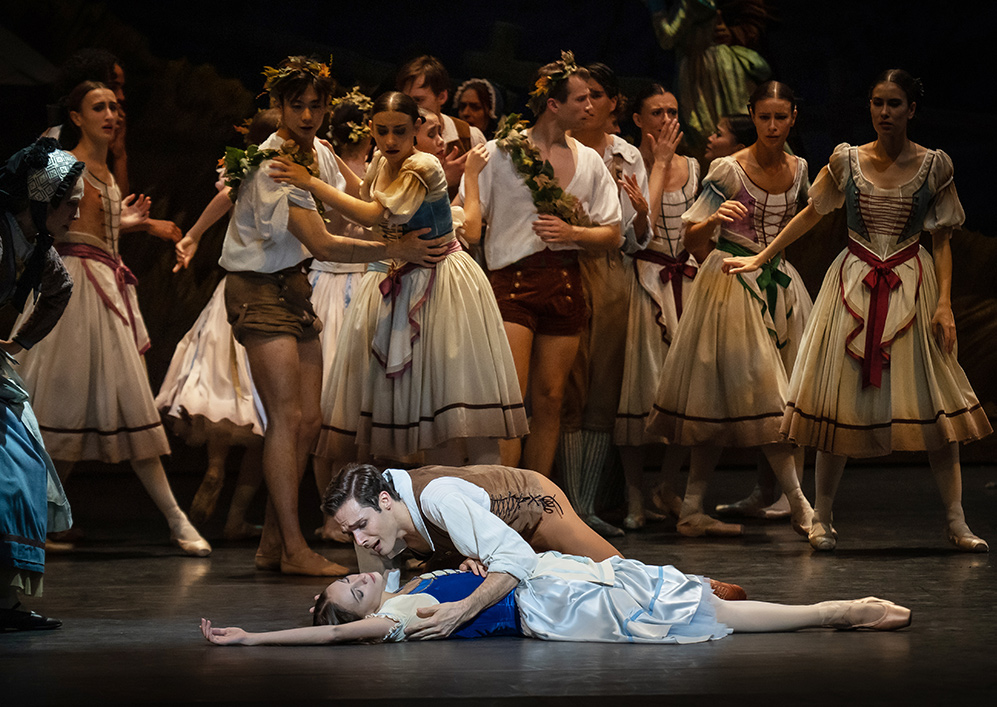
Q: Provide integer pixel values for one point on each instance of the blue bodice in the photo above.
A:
(500, 619)
(434, 215)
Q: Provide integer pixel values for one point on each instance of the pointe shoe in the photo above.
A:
(634, 521)
(891, 617)
(822, 536)
(667, 501)
(198, 547)
(606, 530)
(778, 510)
(727, 591)
(804, 522)
(313, 566)
(699, 524)
(754, 505)
(962, 537)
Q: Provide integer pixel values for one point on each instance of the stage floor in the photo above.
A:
(131, 605)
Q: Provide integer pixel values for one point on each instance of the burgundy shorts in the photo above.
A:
(271, 304)
(542, 292)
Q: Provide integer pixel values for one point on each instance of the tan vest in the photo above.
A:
(463, 139)
(516, 498)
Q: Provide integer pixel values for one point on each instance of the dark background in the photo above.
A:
(193, 71)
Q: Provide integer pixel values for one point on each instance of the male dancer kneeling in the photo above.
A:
(496, 517)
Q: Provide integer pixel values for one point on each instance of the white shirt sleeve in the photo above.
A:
(477, 137)
(462, 510)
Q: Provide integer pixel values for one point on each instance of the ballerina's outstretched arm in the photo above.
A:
(370, 629)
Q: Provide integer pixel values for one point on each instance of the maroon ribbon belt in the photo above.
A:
(880, 280)
(122, 278)
(672, 270)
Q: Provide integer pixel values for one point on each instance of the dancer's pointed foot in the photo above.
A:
(311, 564)
(822, 536)
(185, 536)
(727, 591)
(699, 524)
(803, 516)
(206, 498)
(667, 501)
(604, 529)
(868, 613)
(754, 505)
(962, 537)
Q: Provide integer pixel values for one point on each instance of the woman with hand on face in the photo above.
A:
(877, 370)
(659, 284)
(725, 379)
(423, 363)
(88, 377)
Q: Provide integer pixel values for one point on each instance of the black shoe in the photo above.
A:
(14, 620)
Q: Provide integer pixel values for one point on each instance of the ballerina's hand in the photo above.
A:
(943, 328)
(734, 266)
(731, 211)
(664, 144)
(134, 211)
(285, 171)
(223, 636)
(477, 158)
(630, 186)
(184, 249)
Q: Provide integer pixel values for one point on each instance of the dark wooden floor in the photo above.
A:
(131, 605)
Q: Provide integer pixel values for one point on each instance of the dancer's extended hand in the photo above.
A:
(733, 266)
(184, 249)
(629, 184)
(477, 158)
(437, 622)
(413, 249)
(134, 211)
(943, 328)
(474, 566)
(223, 636)
(286, 171)
(166, 230)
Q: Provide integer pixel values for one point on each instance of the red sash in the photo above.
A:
(672, 270)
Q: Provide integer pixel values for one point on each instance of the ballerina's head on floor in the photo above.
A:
(772, 108)
(300, 88)
(41, 187)
(349, 599)
(368, 508)
(893, 98)
(394, 123)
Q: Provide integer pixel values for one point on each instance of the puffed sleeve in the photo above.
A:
(271, 202)
(402, 610)
(720, 184)
(403, 197)
(828, 191)
(945, 211)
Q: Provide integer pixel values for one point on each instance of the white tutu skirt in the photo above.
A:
(724, 381)
(646, 604)
(924, 400)
(208, 389)
(332, 293)
(87, 379)
(452, 373)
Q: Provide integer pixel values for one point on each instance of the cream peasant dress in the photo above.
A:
(87, 378)
(424, 359)
(726, 375)
(859, 395)
(660, 277)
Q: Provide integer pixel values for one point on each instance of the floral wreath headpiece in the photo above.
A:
(294, 66)
(566, 66)
(356, 97)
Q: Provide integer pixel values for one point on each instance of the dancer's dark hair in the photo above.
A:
(70, 133)
(912, 87)
(397, 102)
(742, 127)
(645, 92)
(772, 89)
(606, 77)
(361, 482)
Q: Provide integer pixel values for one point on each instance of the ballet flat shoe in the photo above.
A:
(727, 591)
(606, 530)
(894, 617)
(822, 536)
(321, 568)
(699, 524)
(633, 521)
(966, 542)
(14, 620)
(267, 563)
(194, 548)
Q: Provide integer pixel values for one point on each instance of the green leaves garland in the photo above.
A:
(538, 174)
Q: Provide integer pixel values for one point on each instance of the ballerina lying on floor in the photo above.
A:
(565, 598)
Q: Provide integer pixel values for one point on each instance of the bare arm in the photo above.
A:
(551, 229)
(663, 146)
(370, 629)
(352, 179)
(943, 321)
(307, 226)
(801, 223)
(366, 213)
(477, 158)
(187, 246)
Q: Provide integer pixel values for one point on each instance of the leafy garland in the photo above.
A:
(240, 164)
(358, 131)
(538, 174)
